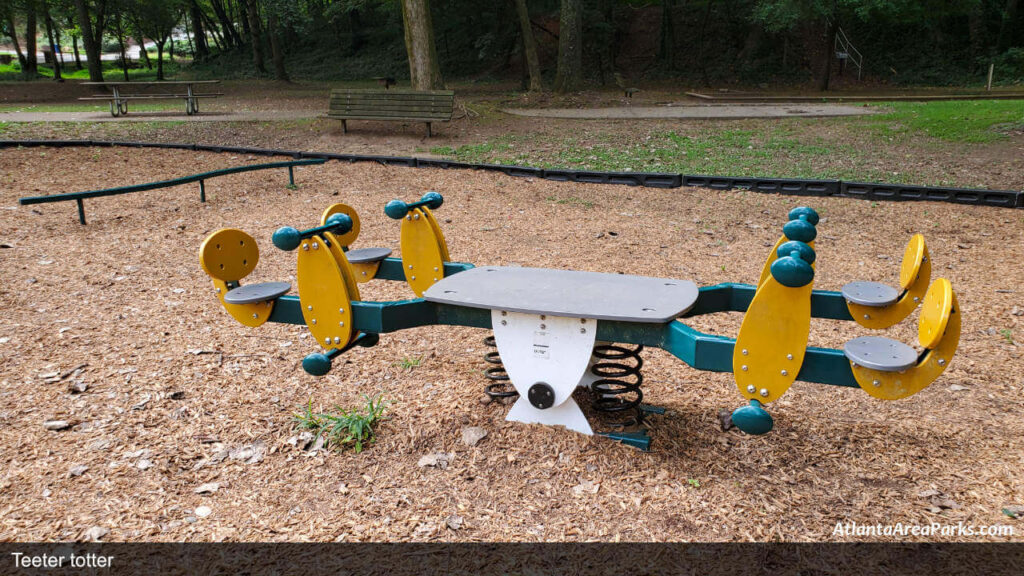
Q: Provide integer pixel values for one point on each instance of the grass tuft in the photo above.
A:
(346, 428)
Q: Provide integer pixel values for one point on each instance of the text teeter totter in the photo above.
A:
(559, 330)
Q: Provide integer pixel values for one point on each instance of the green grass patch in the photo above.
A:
(344, 428)
(111, 71)
(970, 121)
(408, 363)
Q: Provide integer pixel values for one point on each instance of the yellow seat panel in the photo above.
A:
(935, 313)
(251, 315)
(437, 231)
(348, 238)
(896, 385)
(422, 253)
(772, 341)
(228, 255)
(323, 294)
(913, 257)
(879, 318)
(365, 271)
(767, 269)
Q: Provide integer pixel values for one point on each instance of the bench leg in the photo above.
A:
(344, 127)
(428, 130)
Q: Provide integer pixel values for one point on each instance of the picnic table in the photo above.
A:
(119, 100)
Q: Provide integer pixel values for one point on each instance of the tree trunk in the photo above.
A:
(570, 47)
(1005, 38)
(255, 35)
(424, 71)
(201, 49)
(78, 55)
(830, 41)
(160, 59)
(118, 28)
(358, 32)
(529, 46)
(14, 38)
(92, 49)
(667, 46)
(53, 45)
(276, 53)
(31, 67)
(143, 53)
(231, 37)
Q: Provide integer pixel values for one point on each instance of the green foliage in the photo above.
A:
(111, 70)
(355, 427)
(408, 363)
(1007, 335)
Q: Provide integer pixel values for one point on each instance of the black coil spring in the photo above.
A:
(613, 391)
(501, 386)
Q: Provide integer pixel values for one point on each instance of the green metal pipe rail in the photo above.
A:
(201, 178)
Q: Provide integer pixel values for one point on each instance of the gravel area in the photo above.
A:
(112, 329)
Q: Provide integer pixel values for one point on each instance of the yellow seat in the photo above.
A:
(875, 305)
(365, 262)
(880, 365)
(227, 256)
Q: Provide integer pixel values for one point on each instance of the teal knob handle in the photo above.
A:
(809, 213)
(753, 419)
(288, 238)
(792, 271)
(800, 230)
(804, 250)
(319, 363)
(396, 209)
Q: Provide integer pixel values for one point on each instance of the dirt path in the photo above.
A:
(170, 116)
(714, 112)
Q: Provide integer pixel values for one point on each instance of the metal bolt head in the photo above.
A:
(917, 299)
(583, 320)
(942, 361)
(316, 245)
(764, 392)
(255, 316)
(543, 317)
(218, 290)
(583, 330)
(867, 317)
(543, 326)
(416, 217)
(342, 324)
(310, 307)
(744, 367)
(341, 310)
(504, 322)
(745, 352)
(314, 320)
(305, 247)
(413, 277)
(785, 373)
(876, 383)
(751, 388)
(337, 340)
(789, 356)
(327, 341)
(504, 313)
(435, 269)
(410, 266)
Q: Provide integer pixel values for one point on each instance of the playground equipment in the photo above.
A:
(558, 330)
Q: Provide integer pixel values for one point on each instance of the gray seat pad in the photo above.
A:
(362, 255)
(870, 294)
(880, 354)
(257, 292)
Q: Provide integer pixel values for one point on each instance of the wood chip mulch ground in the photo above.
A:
(178, 419)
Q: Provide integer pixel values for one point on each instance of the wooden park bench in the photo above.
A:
(399, 105)
(119, 101)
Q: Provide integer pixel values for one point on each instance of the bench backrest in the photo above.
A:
(395, 103)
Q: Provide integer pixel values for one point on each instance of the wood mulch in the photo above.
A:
(177, 395)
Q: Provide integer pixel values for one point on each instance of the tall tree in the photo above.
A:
(54, 46)
(157, 20)
(31, 67)
(570, 47)
(1006, 25)
(201, 47)
(10, 29)
(424, 70)
(274, 9)
(529, 46)
(255, 36)
(92, 43)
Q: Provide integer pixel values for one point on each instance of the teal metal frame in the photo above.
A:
(710, 352)
(78, 197)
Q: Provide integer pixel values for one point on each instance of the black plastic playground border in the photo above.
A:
(790, 186)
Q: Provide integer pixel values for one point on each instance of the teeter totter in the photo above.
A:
(560, 330)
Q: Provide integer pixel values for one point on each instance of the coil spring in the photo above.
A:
(501, 386)
(612, 391)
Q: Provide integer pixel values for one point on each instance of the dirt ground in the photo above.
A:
(179, 395)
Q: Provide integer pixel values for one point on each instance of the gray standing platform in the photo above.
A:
(361, 255)
(251, 293)
(567, 293)
(870, 294)
(881, 354)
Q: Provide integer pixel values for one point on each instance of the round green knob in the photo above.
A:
(287, 238)
(805, 251)
(316, 364)
(340, 223)
(792, 271)
(800, 230)
(432, 200)
(396, 209)
(799, 211)
(753, 419)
